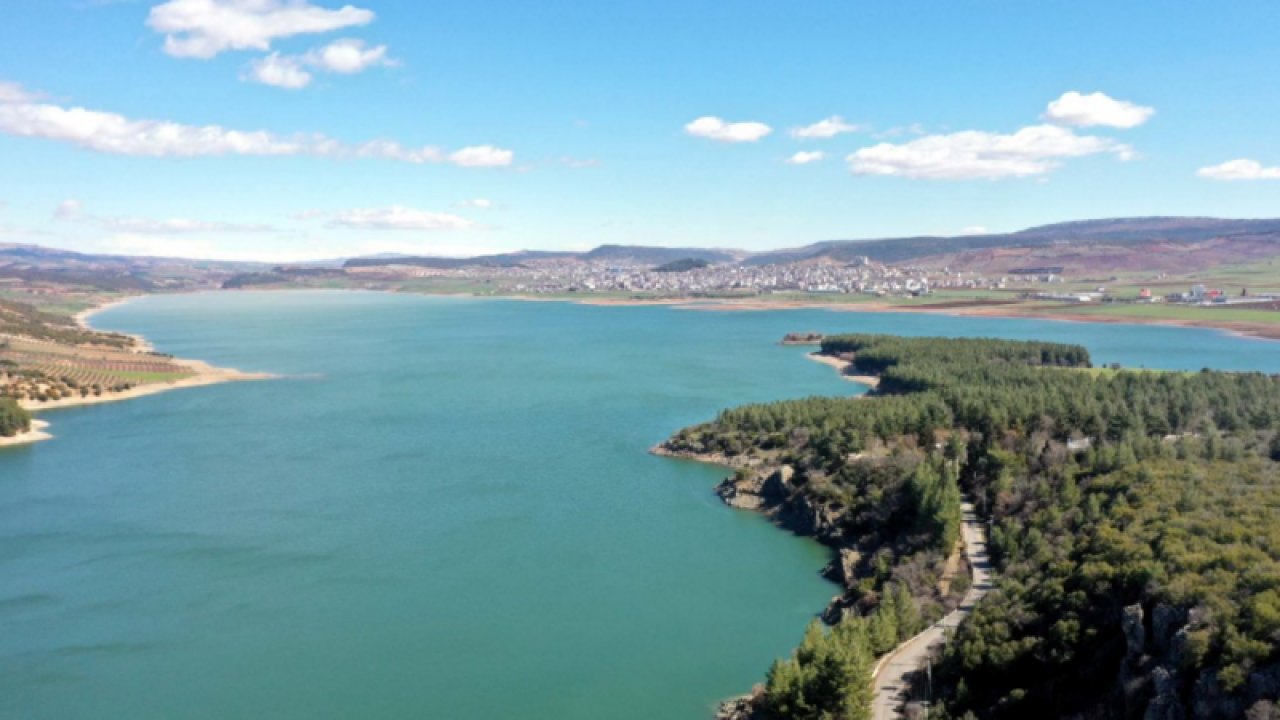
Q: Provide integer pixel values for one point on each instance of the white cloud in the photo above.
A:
(714, 128)
(112, 133)
(481, 156)
(975, 154)
(205, 28)
(345, 57)
(482, 203)
(804, 158)
(973, 230)
(397, 217)
(828, 128)
(280, 71)
(1094, 109)
(116, 134)
(1241, 169)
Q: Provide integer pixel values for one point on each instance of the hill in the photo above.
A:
(629, 255)
(1116, 244)
(36, 265)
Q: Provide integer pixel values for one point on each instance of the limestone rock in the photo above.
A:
(1135, 635)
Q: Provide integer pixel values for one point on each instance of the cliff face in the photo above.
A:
(1152, 684)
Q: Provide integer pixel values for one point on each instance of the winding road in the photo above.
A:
(890, 675)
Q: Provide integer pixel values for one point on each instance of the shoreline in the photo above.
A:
(34, 435)
(871, 381)
(142, 345)
(1256, 331)
(202, 374)
(1253, 331)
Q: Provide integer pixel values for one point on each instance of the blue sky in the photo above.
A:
(296, 129)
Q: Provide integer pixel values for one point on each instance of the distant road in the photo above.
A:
(890, 679)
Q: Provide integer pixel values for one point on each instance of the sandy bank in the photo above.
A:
(141, 344)
(202, 373)
(870, 381)
(35, 434)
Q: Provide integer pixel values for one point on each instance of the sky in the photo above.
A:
(284, 130)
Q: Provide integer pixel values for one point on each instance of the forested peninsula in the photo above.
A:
(1132, 520)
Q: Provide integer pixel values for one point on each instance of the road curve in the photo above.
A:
(890, 676)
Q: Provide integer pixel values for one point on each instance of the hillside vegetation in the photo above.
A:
(1132, 525)
(13, 419)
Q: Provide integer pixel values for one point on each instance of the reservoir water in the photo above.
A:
(443, 509)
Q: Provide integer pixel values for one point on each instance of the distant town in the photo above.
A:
(861, 276)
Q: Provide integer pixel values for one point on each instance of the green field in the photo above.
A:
(1160, 311)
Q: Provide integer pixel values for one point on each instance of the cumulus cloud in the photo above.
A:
(714, 128)
(280, 71)
(827, 128)
(344, 57)
(397, 217)
(975, 154)
(973, 230)
(205, 28)
(1095, 109)
(347, 57)
(112, 133)
(1240, 169)
(481, 156)
(804, 158)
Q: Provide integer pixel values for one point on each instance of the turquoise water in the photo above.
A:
(443, 510)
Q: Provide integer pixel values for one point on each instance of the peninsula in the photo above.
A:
(1109, 496)
(54, 360)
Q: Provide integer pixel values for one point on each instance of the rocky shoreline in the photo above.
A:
(759, 486)
(770, 487)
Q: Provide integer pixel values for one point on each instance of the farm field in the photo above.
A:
(36, 370)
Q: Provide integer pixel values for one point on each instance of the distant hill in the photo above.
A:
(112, 273)
(1129, 240)
(516, 259)
(1174, 244)
(620, 254)
(640, 255)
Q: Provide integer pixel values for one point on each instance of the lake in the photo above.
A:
(443, 508)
